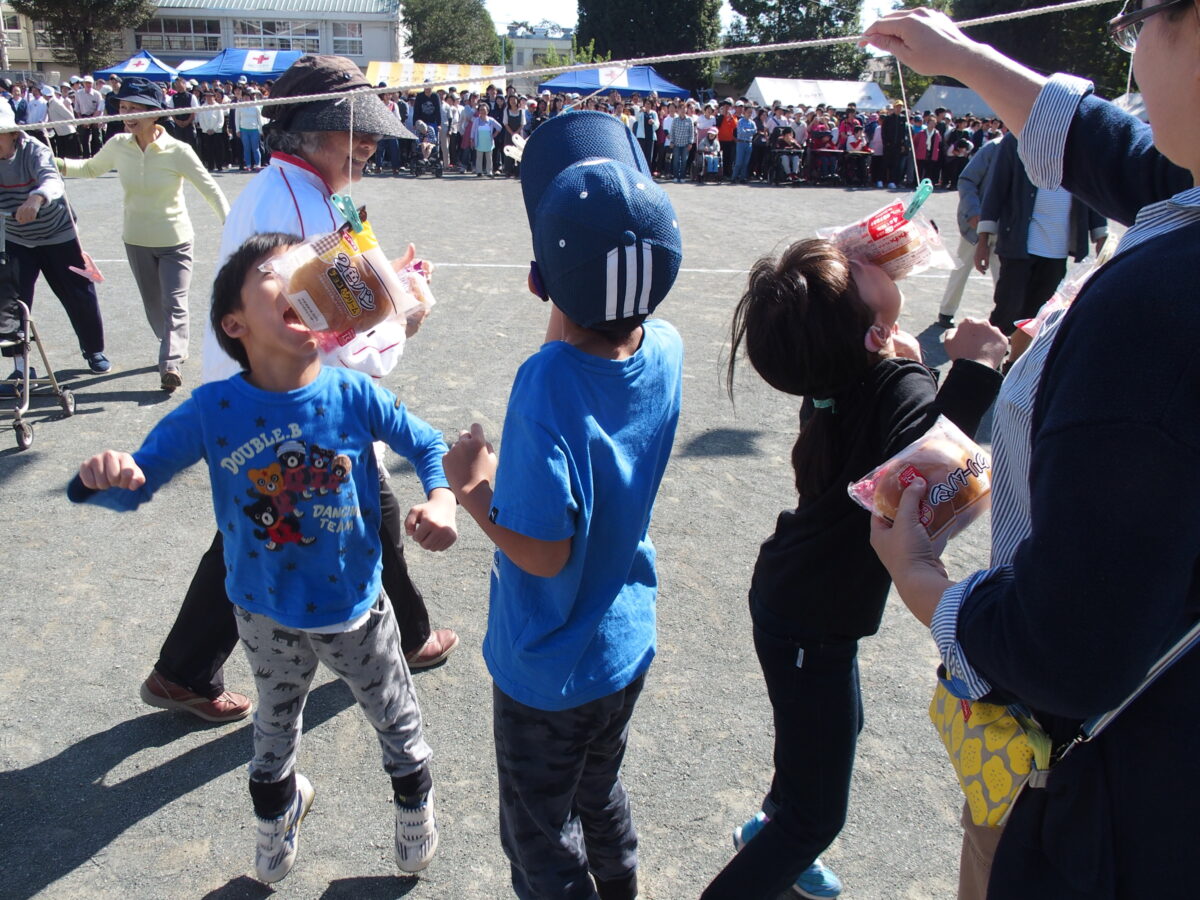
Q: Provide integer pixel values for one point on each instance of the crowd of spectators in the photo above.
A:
(736, 141)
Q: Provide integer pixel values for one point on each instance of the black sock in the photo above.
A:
(272, 798)
(618, 888)
(410, 789)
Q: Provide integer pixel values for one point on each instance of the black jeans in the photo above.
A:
(812, 681)
(205, 631)
(76, 293)
(1023, 286)
(563, 810)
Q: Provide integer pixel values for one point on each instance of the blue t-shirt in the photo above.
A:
(746, 129)
(584, 447)
(295, 487)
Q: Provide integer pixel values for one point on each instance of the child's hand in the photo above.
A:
(111, 469)
(905, 346)
(399, 265)
(412, 322)
(432, 523)
(977, 340)
(470, 461)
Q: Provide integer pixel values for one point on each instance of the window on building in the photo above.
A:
(172, 34)
(13, 35)
(347, 38)
(41, 39)
(277, 35)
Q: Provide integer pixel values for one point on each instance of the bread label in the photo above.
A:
(945, 491)
(308, 310)
(349, 284)
(886, 220)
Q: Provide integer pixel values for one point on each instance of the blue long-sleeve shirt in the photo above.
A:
(295, 487)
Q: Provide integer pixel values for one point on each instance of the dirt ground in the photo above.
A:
(102, 797)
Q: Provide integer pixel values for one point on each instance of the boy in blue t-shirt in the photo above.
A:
(587, 434)
(295, 489)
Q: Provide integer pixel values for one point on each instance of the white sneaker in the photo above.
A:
(416, 835)
(278, 838)
(891, 185)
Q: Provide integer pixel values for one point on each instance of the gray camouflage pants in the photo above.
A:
(367, 659)
(563, 810)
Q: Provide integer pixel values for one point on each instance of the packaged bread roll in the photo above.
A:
(957, 476)
(342, 282)
(899, 246)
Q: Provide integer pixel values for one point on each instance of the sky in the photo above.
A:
(565, 12)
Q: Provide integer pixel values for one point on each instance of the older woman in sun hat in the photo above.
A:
(157, 230)
(315, 155)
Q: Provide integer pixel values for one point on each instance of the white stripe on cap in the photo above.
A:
(647, 276)
(610, 286)
(630, 295)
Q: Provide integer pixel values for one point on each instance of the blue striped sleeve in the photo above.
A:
(1044, 138)
(964, 681)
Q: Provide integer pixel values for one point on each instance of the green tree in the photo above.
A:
(578, 55)
(779, 21)
(86, 33)
(451, 31)
(1075, 41)
(631, 29)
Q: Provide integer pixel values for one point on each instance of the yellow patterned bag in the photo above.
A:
(995, 750)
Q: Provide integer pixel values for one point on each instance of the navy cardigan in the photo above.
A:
(1110, 576)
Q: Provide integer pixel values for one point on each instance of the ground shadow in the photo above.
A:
(370, 887)
(241, 888)
(932, 349)
(723, 442)
(59, 813)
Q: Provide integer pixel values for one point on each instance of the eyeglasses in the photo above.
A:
(1125, 28)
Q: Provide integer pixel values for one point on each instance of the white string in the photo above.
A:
(912, 144)
(559, 70)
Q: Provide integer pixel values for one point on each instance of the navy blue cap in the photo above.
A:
(605, 236)
(141, 91)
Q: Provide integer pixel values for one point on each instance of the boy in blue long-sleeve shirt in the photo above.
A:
(295, 491)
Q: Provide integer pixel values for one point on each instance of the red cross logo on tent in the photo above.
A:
(139, 64)
(261, 58)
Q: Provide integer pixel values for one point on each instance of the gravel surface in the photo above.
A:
(103, 797)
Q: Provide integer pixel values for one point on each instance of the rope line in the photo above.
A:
(624, 65)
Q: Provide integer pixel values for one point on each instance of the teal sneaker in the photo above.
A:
(817, 882)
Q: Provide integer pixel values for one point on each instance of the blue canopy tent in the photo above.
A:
(141, 63)
(256, 65)
(606, 79)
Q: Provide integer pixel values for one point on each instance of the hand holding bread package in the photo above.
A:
(896, 239)
(957, 475)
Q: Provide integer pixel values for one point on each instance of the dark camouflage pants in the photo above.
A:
(367, 659)
(563, 810)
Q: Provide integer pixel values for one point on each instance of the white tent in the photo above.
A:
(1134, 105)
(810, 92)
(959, 100)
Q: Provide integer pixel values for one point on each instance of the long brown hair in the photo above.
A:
(802, 323)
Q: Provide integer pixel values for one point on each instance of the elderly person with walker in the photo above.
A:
(1095, 570)
(157, 231)
(41, 238)
(317, 150)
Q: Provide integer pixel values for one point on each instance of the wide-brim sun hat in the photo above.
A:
(314, 74)
(142, 92)
(606, 238)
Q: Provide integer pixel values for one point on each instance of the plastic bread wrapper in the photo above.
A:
(958, 481)
(900, 246)
(342, 282)
(376, 352)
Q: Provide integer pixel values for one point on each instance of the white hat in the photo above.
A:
(242, 79)
(7, 119)
(87, 78)
(47, 91)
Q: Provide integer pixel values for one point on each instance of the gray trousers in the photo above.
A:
(163, 275)
(958, 278)
(367, 659)
(563, 810)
